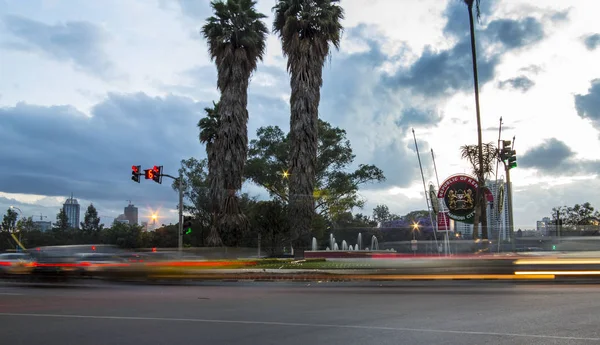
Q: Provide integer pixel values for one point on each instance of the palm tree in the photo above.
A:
(474, 4)
(489, 157)
(236, 38)
(209, 129)
(306, 29)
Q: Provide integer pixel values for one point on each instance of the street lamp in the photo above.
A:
(21, 214)
(415, 227)
(413, 243)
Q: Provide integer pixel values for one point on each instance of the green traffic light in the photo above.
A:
(188, 231)
(553, 247)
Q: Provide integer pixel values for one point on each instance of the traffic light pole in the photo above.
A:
(511, 225)
(179, 181)
(180, 237)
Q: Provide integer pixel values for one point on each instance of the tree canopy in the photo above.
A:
(9, 221)
(91, 221)
(336, 190)
(579, 214)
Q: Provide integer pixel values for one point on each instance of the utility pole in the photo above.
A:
(509, 159)
(180, 237)
(511, 225)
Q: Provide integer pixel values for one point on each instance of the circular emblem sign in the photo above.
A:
(458, 194)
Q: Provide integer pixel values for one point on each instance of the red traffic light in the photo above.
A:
(135, 169)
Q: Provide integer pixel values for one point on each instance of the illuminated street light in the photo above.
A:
(285, 174)
(415, 227)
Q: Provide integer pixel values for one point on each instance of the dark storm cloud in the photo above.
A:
(371, 113)
(412, 116)
(58, 150)
(515, 34)
(458, 16)
(521, 83)
(588, 105)
(440, 73)
(78, 42)
(554, 157)
(548, 155)
(592, 41)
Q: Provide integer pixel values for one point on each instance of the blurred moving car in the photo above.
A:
(12, 264)
(53, 264)
(96, 264)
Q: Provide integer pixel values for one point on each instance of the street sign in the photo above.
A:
(443, 222)
(413, 245)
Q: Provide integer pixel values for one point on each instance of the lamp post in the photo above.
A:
(20, 214)
(413, 243)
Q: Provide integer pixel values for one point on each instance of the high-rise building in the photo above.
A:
(72, 209)
(131, 213)
(122, 219)
(544, 226)
(43, 225)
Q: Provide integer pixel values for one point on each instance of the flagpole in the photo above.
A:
(425, 190)
(446, 237)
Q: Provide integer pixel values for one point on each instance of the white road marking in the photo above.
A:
(299, 324)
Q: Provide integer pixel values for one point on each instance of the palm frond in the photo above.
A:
(471, 154)
(308, 26)
(209, 125)
(235, 31)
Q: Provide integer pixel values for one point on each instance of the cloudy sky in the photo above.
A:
(88, 88)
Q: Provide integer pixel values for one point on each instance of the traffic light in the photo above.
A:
(512, 159)
(154, 174)
(187, 225)
(508, 155)
(157, 174)
(135, 173)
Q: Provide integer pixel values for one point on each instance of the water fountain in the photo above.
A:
(335, 246)
(344, 245)
(359, 242)
(331, 241)
(314, 244)
(374, 243)
(350, 248)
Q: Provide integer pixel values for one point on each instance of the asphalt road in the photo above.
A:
(288, 313)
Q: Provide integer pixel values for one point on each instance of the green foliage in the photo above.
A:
(381, 213)
(196, 190)
(91, 221)
(269, 219)
(9, 221)
(336, 189)
(123, 235)
(27, 224)
(579, 214)
(62, 220)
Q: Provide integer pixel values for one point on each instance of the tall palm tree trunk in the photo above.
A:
(216, 186)
(232, 143)
(481, 180)
(306, 95)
